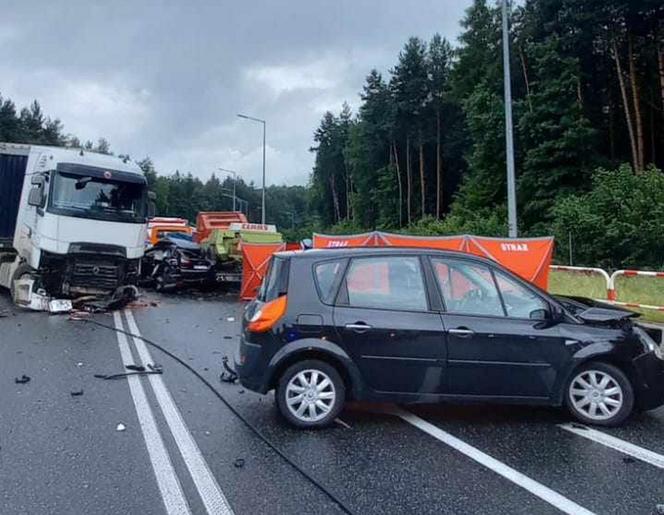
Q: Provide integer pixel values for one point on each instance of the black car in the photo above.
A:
(173, 262)
(417, 325)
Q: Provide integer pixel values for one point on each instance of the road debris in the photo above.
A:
(136, 368)
(154, 369)
(239, 463)
(76, 393)
(59, 306)
(231, 319)
(22, 380)
(121, 427)
(228, 375)
(660, 509)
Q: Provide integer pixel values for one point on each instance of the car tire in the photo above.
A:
(605, 386)
(319, 406)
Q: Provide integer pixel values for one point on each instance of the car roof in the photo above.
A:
(345, 252)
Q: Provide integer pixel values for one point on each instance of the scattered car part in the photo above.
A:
(22, 380)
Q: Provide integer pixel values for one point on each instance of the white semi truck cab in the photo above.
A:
(72, 222)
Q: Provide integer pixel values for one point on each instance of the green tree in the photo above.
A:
(559, 141)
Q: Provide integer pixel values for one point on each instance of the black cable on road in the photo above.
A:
(235, 412)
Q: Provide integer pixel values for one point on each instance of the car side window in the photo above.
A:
(390, 282)
(520, 302)
(326, 273)
(467, 288)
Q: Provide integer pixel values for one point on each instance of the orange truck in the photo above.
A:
(161, 227)
(208, 221)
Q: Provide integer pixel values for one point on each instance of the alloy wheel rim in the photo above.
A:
(596, 394)
(310, 395)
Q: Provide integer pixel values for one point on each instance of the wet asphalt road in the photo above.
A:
(62, 454)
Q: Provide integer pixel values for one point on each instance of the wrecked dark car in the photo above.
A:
(175, 262)
(418, 325)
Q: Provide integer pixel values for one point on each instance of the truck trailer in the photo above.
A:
(72, 223)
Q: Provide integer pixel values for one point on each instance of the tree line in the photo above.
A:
(425, 151)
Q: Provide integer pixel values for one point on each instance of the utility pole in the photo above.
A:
(235, 174)
(509, 139)
(263, 196)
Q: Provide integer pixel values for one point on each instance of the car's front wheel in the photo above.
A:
(600, 394)
(310, 394)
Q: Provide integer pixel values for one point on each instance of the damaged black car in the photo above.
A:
(176, 262)
(417, 326)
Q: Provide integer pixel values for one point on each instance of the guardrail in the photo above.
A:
(611, 292)
(586, 269)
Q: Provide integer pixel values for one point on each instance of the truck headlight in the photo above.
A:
(649, 344)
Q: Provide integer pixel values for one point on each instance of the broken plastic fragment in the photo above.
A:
(22, 380)
(76, 393)
(239, 463)
(121, 427)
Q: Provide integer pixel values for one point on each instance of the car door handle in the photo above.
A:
(462, 332)
(358, 327)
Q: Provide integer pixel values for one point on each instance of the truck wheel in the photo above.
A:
(21, 271)
(600, 394)
(310, 394)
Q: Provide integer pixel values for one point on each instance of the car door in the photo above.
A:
(495, 348)
(383, 318)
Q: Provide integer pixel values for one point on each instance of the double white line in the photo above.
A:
(168, 482)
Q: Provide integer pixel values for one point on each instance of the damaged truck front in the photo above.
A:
(72, 223)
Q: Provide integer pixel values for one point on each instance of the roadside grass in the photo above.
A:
(643, 290)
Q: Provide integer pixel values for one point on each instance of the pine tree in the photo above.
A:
(559, 140)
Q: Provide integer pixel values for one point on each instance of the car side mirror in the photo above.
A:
(546, 317)
(540, 314)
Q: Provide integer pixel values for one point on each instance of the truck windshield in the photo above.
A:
(93, 197)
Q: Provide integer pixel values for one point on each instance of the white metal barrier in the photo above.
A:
(611, 292)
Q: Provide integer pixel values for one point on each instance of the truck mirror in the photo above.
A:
(36, 197)
(37, 180)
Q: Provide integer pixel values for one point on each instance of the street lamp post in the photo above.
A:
(235, 174)
(509, 141)
(263, 195)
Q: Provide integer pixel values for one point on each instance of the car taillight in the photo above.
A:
(268, 315)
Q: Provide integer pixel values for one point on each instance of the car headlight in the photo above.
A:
(649, 344)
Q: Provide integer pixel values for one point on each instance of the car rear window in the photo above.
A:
(326, 273)
(275, 283)
(386, 282)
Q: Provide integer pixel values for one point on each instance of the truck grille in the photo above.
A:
(96, 275)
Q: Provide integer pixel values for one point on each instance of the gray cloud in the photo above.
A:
(166, 79)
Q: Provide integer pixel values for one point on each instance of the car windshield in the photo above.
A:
(93, 197)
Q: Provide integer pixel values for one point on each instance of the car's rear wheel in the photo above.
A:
(310, 394)
(600, 394)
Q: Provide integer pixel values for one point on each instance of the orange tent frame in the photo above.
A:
(527, 257)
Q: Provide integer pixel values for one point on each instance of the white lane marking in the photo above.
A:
(546, 494)
(617, 444)
(214, 500)
(167, 480)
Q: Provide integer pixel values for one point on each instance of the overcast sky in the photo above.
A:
(166, 79)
